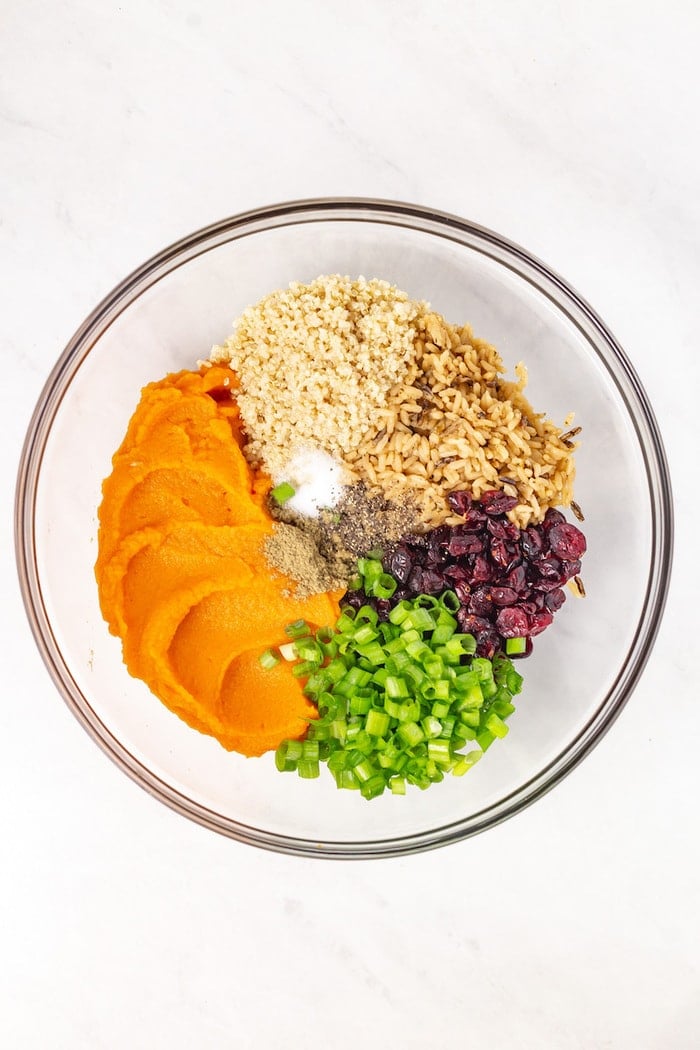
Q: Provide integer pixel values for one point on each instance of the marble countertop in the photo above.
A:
(568, 129)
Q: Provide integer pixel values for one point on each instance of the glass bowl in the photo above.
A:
(168, 314)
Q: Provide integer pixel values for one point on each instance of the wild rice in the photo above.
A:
(483, 433)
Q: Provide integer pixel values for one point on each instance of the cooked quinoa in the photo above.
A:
(414, 406)
(316, 363)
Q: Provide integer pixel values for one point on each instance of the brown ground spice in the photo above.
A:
(294, 552)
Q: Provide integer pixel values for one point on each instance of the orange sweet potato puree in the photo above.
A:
(181, 571)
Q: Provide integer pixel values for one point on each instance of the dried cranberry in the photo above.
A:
(513, 623)
(383, 607)
(471, 624)
(400, 563)
(517, 579)
(480, 603)
(459, 502)
(354, 599)
(552, 517)
(571, 568)
(415, 580)
(539, 622)
(463, 591)
(554, 600)
(544, 586)
(548, 567)
(566, 541)
(500, 553)
(487, 643)
(481, 570)
(497, 502)
(464, 543)
(531, 542)
(497, 528)
(433, 582)
(474, 519)
(504, 595)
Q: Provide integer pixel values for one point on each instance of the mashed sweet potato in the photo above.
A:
(181, 572)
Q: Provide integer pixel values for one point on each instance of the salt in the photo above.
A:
(317, 479)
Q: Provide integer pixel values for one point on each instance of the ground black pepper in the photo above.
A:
(326, 548)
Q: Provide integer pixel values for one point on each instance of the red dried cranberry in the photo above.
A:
(513, 623)
(383, 607)
(480, 603)
(415, 580)
(433, 582)
(471, 624)
(517, 579)
(571, 568)
(464, 543)
(481, 570)
(354, 599)
(544, 586)
(531, 542)
(497, 502)
(459, 502)
(474, 519)
(554, 600)
(400, 563)
(487, 644)
(552, 517)
(500, 553)
(497, 528)
(504, 595)
(548, 567)
(463, 591)
(539, 622)
(566, 541)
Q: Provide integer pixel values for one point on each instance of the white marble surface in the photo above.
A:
(568, 128)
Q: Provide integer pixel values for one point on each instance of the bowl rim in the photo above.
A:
(424, 220)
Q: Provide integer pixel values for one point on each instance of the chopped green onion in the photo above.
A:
(515, 646)
(298, 629)
(283, 492)
(397, 699)
(384, 586)
(268, 659)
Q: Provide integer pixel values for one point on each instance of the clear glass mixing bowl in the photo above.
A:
(168, 314)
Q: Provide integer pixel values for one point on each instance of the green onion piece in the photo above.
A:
(384, 586)
(431, 726)
(345, 621)
(283, 492)
(442, 633)
(397, 785)
(373, 787)
(268, 659)
(439, 752)
(400, 611)
(411, 733)
(304, 669)
(396, 687)
(465, 762)
(515, 646)
(496, 725)
(377, 722)
(288, 651)
(298, 629)
(365, 634)
(308, 770)
(449, 600)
